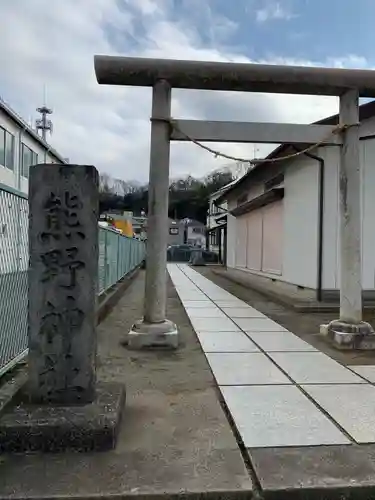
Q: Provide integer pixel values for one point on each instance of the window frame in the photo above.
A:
(22, 163)
(4, 161)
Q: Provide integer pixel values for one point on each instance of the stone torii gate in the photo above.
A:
(163, 75)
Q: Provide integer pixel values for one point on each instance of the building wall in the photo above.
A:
(196, 235)
(14, 177)
(368, 211)
(176, 239)
(236, 243)
(280, 240)
(300, 238)
(272, 238)
(331, 228)
(331, 157)
(231, 238)
(301, 219)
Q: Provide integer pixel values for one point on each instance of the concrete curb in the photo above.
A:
(109, 300)
(291, 303)
(183, 495)
(266, 293)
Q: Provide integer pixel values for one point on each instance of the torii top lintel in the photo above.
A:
(210, 75)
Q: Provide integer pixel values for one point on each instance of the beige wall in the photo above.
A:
(259, 239)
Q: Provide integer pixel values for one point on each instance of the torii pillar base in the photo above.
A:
(349, 337)
(144, 335)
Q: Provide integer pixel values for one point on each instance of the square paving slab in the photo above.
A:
(218, 296)
(183, 291)
(352, 406)
(272, 416)
(280, 341)
(226, 342)
(259, 325)
(316, 473)
(366, 371)
(231, 303)
(214, 324)
(198, 304)
(245, 369)
(314, 368)
(207, 312)
(242, 312)
(192, 296)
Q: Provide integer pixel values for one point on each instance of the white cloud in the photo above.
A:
(53, 43)
(273, 11)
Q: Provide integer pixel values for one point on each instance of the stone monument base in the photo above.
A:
(48, 428)
(347, 336)
(152, 335)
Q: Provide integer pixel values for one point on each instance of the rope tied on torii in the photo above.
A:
(254, 161)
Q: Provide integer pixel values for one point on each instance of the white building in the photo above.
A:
(194, 232)
(283, 224)
(217, 221)
(20, 147)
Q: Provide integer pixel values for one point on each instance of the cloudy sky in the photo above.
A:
(51, 43)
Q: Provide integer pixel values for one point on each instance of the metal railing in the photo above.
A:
(14, 256)
(118, 255)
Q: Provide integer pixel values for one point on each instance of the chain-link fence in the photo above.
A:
(118, 255)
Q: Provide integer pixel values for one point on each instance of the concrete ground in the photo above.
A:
(287, 400)
(177, 437)
(304, 325)
(174, 439)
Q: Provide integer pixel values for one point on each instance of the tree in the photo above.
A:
(188, 197)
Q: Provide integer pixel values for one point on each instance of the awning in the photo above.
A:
(274, 194)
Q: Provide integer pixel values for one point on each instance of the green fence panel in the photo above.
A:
(118, 256)
(102, 259)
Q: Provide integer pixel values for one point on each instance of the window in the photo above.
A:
(9, 151)
(213, 239)
(214, 209)
(6, 149)
(173, 230)
(2, 146)
(198, 230)
(27, 156)
(35, 159)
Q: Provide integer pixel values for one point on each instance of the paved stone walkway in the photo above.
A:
(280, 390)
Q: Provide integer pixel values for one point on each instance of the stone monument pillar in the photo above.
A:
(63, 243)
(61, 406)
